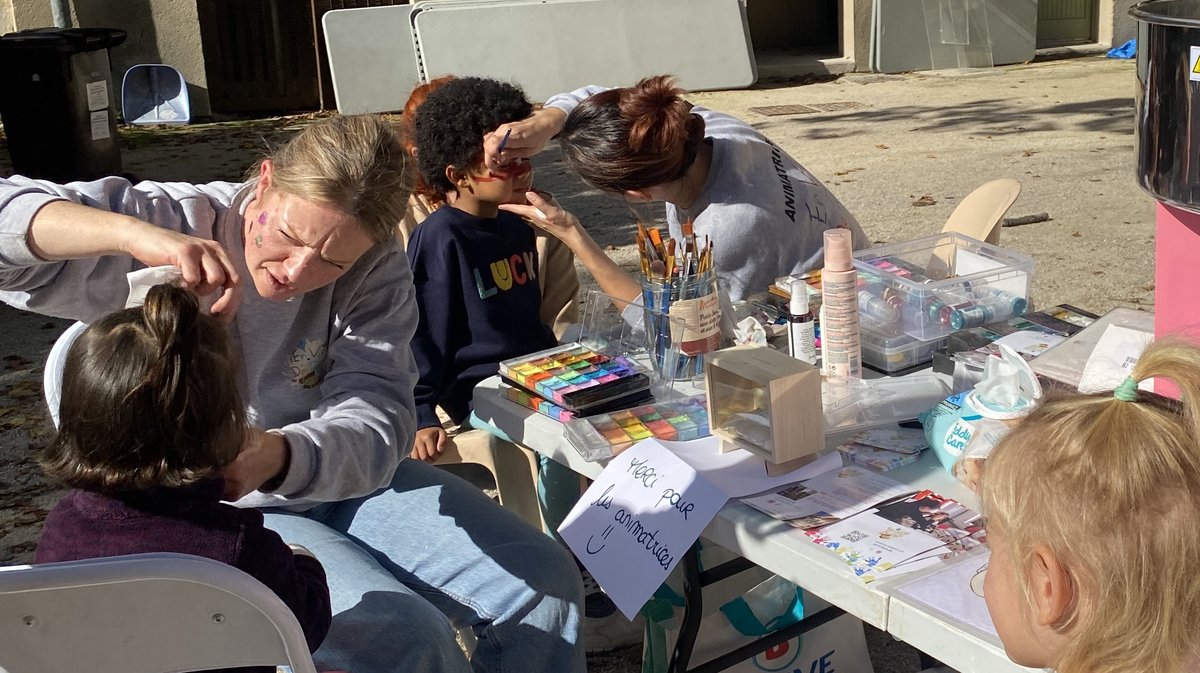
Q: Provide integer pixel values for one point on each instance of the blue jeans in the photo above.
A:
(429, 551)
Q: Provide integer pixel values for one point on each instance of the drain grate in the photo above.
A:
(779, 110)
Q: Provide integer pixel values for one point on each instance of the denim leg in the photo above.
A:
(379, 625)
(480, 564)
(558, 491)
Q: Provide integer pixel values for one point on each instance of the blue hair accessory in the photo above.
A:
(1127, 391)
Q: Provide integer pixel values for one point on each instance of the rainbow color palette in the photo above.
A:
(575, 377)
(605, 435)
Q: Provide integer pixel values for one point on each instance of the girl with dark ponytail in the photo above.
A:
(763, 211)
(150, 415)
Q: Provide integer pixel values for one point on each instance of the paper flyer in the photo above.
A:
(902, 535)
(827, 497)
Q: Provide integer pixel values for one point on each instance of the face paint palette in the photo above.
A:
(605, 435)
(529, 400)
(576, 378)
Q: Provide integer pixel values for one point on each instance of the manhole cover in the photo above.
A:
(778, 110)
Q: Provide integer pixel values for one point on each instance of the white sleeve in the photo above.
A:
(567, 101)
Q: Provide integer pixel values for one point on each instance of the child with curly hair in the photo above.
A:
(1091, 503)
(475, 267)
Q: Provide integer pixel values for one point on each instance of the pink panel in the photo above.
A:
(1176, 277)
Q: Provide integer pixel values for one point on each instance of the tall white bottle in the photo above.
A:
(841, 350)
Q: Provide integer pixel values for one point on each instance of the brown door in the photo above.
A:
(260, 55)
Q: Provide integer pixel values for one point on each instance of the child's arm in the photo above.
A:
(434, 272)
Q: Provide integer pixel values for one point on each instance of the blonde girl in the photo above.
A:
(1092, 504)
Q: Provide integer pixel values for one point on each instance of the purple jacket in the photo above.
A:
(189, 520)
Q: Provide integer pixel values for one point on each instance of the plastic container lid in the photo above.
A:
(839, 248)
(70, 40)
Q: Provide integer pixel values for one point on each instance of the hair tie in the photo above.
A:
(1127, 391)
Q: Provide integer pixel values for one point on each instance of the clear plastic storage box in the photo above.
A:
(931, 286)
(892, 352)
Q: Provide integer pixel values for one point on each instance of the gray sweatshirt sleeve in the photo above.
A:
(364, 425)
(84, 289)
(567, 101)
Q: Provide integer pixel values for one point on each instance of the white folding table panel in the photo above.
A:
(372, 57)
(560, 45)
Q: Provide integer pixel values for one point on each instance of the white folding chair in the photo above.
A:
(145, 613)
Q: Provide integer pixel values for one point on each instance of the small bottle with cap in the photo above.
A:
(802, 343)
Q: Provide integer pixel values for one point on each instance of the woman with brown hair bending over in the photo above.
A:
(764, 213)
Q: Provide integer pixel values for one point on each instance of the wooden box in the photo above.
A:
(766, 402)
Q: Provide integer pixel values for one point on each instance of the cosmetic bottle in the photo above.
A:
(801, 333)
(841, 351)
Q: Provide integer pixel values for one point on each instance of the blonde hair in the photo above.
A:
(354, 163)
(1112, 489)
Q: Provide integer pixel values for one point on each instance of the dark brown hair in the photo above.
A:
(149, 399)
(633, 138)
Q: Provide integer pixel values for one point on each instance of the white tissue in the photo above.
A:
(1009, 387)
(142, 280)
(749, 332)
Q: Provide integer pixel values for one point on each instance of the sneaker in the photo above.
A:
(604, 627)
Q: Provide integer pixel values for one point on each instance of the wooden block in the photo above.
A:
(766, 402)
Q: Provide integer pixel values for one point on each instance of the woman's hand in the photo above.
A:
(526, 137)
(66, 230)
(546, 214)
(264, 456)
(429, 444)
(205, 265)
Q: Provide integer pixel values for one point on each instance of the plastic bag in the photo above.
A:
(964, 427)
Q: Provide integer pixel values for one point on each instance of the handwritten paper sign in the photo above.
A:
(637, 520)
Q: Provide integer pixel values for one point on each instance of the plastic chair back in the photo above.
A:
(145, 613)
(155, 94)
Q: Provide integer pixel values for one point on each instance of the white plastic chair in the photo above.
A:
(145, 613)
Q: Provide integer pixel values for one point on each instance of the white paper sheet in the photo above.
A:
(956, 591)
(637, 520)
(741, 473)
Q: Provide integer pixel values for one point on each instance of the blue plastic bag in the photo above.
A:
(1127, 50)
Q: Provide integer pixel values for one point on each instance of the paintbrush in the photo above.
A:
(503, 141)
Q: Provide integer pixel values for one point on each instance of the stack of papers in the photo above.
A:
(876, 525)
(885, 448)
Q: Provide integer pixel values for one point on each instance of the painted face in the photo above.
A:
(295, 246)
(502, 185)
(1007, 604)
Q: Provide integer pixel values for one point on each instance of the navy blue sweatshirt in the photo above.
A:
(479, 302)
(189, 520)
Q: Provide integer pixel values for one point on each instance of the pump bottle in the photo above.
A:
(801, 333)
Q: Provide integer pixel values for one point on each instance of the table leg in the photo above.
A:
(693, 611)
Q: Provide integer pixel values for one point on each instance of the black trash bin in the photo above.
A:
(57, 104)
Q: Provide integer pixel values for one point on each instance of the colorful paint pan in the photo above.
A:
(605, 435)
(574, 377)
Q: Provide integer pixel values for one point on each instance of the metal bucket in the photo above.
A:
(1168, 100)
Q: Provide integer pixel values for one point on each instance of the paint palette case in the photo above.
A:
(547, 408)
(605, 435)
(575, 377)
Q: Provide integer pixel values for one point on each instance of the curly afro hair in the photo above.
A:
(452, 121)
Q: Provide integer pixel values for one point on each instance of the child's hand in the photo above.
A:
(429, 444)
